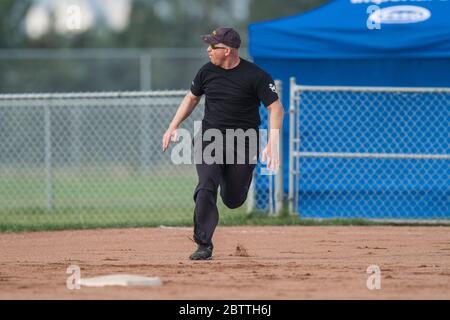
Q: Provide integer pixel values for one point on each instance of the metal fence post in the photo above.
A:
(75, 127)
(48, 155)
(145, 62)
(291, 144)
(145, 155)
(251, 198)
(279, 183)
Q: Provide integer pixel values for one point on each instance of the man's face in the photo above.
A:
(217, 53)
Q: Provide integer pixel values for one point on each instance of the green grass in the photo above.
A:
(118, 197)
(112, 187)
(69, 219)
(40, 220)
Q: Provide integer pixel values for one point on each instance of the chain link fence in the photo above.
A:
(379, 153)
(97, 157)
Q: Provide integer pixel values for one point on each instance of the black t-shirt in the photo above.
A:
(233, 96)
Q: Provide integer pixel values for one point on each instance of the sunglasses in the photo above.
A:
(214, 47)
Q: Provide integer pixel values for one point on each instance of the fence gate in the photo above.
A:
(369, 152)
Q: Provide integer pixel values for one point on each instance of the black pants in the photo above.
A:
(234, 180)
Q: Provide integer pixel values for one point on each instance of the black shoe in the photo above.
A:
(202, 253)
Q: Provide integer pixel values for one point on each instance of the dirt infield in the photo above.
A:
(249, 263)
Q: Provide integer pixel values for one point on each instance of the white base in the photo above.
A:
(126, 280)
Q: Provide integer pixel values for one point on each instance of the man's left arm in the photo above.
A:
(272, 150)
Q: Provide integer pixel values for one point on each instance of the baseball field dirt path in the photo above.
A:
(249, 263)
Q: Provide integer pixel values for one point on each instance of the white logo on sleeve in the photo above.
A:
(273, 87)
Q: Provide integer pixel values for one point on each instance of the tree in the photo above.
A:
(271, 9)
(12, 26)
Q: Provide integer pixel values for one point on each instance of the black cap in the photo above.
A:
(225, 35)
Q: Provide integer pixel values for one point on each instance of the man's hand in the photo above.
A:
(184, 110)
(170, 135)
(271, 155)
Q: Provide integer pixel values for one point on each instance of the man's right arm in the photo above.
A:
(186, 107)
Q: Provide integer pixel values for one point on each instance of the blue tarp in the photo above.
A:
(340, 29)
(348, 42)
(332, 45)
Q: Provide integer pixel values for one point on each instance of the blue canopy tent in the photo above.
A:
(404, 43)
